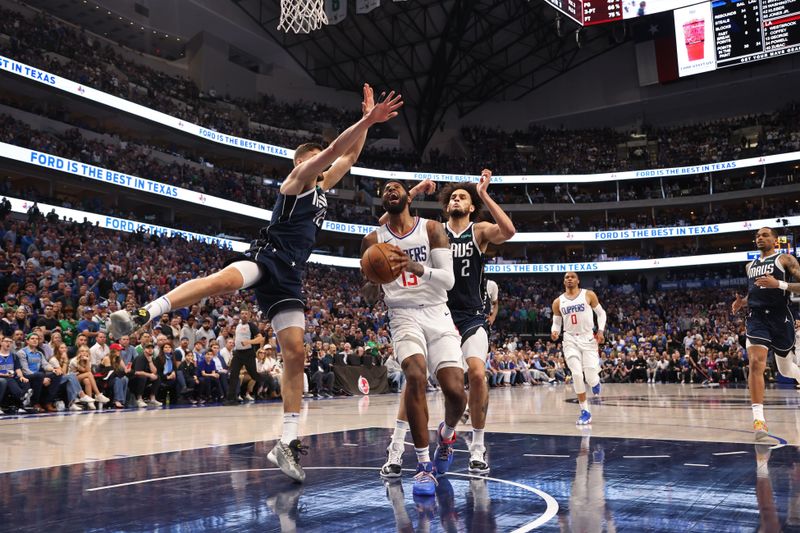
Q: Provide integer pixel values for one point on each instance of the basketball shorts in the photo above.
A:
(428, 331)
(772, 328)
(583, 347)
(280, 287)
(474, 331)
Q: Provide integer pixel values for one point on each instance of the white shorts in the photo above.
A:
(428, 331)
(585, 349)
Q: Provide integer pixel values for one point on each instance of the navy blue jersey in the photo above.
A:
(469, 290)
(296, 220)
(766, 298)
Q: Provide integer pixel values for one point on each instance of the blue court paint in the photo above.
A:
(235, 488)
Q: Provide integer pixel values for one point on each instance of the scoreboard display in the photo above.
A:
(725, 33)
(590, 12)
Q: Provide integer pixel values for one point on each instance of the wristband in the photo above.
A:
(782, 285)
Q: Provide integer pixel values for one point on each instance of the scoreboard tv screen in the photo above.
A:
(725, 33)
(590, 12)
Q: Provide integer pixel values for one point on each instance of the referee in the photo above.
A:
(246, 337)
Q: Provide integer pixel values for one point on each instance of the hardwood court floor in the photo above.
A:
(657, 458)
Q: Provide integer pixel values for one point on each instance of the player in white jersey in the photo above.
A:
(423, 333)
(575, 310)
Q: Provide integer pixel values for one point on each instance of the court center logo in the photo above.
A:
(363, 385)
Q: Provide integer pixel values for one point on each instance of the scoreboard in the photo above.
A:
(590, 12)
(725, 33)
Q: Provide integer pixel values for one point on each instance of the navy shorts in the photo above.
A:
(280, 287)
(468, 322)
(771, 327)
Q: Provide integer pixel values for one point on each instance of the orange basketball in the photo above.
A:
(375, 264)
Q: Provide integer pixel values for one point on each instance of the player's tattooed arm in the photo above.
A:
(371, 292)
(791, 266)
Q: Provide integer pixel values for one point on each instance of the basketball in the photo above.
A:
(375, 264)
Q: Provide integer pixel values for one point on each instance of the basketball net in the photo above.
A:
(302, 16)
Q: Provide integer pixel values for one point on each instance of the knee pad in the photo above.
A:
(290, 318)
(250, 271)
(576, 368)
(592, 376)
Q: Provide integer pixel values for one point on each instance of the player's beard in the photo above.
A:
(457, 213)
(399, 207)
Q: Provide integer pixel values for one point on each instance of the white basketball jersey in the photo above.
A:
(578, 317)
(409, 290)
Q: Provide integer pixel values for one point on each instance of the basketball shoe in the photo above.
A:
(394, 462)
(123, 323)
(443, 456)
(287, 458)
(585, 419)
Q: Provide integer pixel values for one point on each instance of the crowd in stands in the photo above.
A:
(52, 45)
(60, 280)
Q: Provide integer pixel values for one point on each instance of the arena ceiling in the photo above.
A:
(441, 54)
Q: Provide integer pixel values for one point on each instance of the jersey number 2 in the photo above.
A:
(410, 280)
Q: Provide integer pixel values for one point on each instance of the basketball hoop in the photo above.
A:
(302, 16)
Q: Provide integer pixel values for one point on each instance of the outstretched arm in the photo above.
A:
(305, 174)
(504, 228)
(345, 162)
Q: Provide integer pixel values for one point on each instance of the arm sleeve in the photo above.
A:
(601, 317)
(442, 272)
(557, 321)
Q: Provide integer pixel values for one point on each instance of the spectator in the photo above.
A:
(210, 389)
(9, 369)
(45, 380)
(146, 378)
(99, 350)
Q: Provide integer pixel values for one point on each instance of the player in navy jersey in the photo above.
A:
(275, 263)
(469, 239)
(770, 324)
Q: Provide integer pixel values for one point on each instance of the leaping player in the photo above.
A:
(462, 203)
(574, 310)
(274, 265)
(422, 329)
(770, 324)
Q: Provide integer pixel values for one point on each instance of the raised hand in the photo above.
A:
(387, 109)
(483, 183)
(423, 187)
(369, 100)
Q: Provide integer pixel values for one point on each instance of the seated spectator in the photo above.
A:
(664, 369)
(45, 380)
(146, 379)
(168, 371)
(270, 385)
(221, 365)
(118, 378)
(321, 371)
(99, 350)
(652, 367)
(81, 366)
(189, 370)
(9, 370)
(210, 389)
(70, 383)
(394, 372)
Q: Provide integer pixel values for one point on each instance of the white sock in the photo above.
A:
(399, 435)
(158, 307)
(758, 412)
(584, 405)
(447, 432)
(290, 423)
(477, 437)
(423, 455)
